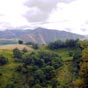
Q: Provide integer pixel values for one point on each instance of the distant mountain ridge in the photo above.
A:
(39, 35)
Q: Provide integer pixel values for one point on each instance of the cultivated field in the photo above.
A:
(13, 46)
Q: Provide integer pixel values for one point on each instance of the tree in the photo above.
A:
(85, 55)
(76, 61)
(39, 62)
(83, 44)
(17, 53)
(54, 83)
(51, 58)
(49, 72)
(39, 76)
(11, 85)
(63, 44)
(35, 46)
(3, 60)
(37, 86)
(83, 72)
(20, 42)
(56, 63)
(71, 43)
(56, 45)
(79, 83)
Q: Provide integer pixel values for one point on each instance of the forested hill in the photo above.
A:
(39, 35)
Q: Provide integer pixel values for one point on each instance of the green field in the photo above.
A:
(8, 70)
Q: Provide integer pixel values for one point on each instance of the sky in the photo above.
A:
(68, 15)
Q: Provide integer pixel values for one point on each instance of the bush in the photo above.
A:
(70, 54)
(20, 42)
(3, 60)
(24, 50)
(17, 53)
(37, 86)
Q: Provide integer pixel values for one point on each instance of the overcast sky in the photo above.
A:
(69, 15)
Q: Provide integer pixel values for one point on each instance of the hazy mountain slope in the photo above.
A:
(42, 35)
(39, 35)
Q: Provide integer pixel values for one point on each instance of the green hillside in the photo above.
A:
(44, 67)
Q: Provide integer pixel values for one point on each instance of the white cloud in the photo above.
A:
(69, 15)
(72, 16)
(40, 10)
(11, 13)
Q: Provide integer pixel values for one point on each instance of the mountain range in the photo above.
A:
(38, 35)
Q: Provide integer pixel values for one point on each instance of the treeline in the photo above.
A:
(63, 44)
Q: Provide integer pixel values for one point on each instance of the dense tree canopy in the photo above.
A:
(40, 67)
(83, 72)
(63, 44)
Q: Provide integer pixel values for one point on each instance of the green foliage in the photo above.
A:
(84, 65)
(63, 44)
(83, 44)
(37, 86)
(24, 50)
(71, 43)
(70, 53)
(83, 72)
(20, 42)
(49, 72)
(76, 61)
(41, 66)
(17, 53)
(79, 83)
(56, 45)
(3, 60)
(35, 46)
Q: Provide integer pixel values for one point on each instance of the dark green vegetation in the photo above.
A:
(58, 65)
(30, 69)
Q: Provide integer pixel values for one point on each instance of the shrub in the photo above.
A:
(3, 60)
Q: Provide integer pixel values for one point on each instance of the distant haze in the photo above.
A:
(38, 35)
(68, 15)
